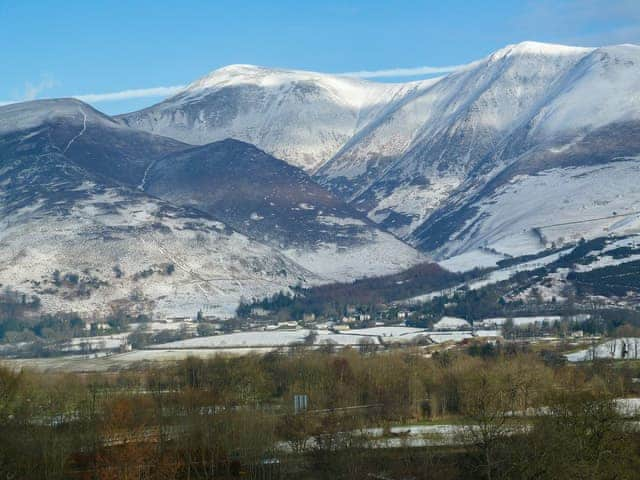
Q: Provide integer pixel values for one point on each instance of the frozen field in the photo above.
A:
(268, 339)
(611, 349)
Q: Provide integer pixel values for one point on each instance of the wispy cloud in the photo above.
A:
(33, 91)
(153, 92)
(402, 72)
(130, 94)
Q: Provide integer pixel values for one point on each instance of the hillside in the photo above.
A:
(448, 164)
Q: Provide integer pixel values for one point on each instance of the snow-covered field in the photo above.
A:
(105, 342)
(386, 331)
(524, 321)
(451, 323)
(268, 339)
(242, 339)
(628, 348)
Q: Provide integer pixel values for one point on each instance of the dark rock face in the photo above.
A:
(256, 194)
(87, 138)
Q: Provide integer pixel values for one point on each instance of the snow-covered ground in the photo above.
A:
(493, 277)
(242, 339)
(105, 342)
(550, 201)
(615, 349)
(386, 331)
(451, 323)
(378, 254)
(524, 321)
(213, 268)
(390, 334)
(162, 326)
(268, 339)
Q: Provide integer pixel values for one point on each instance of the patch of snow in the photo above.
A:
(451, 323)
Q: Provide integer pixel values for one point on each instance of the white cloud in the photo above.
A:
(130, 94)
(32, 91)
(402, 72)
(113, 96)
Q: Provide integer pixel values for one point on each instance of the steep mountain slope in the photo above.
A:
(421, 159)
(77, 229)
(472, 136)
(548, 196)
(445, 134)
(300, 117)
(85, 243)
(280, 205)
(574, 159)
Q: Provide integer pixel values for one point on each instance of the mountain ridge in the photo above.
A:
(71, 203)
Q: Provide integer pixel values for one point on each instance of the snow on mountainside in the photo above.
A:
(85, 243)
(590, 118)
(531, 146)
(557, 206)
(116, 248)
(279, 205)
(300, 117)
(420, 158)
(525, 109)
(77, 230)
(603, 88)
(447, 132)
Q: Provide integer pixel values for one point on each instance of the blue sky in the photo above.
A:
(52, 49)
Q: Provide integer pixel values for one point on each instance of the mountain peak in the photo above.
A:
(272, 77)
(238, 74)
(34, 113)
(539, 49)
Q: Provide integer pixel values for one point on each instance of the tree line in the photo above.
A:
(518, 416)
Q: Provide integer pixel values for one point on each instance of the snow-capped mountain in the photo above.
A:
(533, 145)
(571, 157)
(444, 134)
(426, 159)
(494, 126)
(300, 117)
